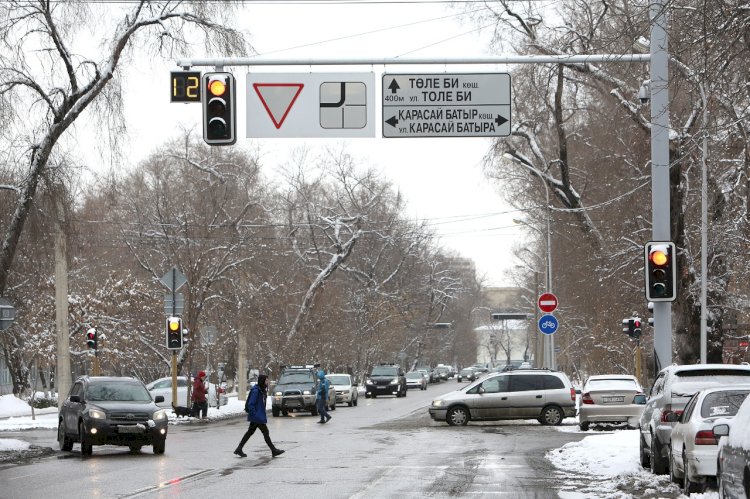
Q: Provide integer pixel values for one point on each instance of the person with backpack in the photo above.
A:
(321, 397)
(255, 406)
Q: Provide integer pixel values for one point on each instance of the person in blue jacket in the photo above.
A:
(255, 406)
(321, 397)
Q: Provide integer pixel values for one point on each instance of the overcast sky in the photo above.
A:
(440, 178)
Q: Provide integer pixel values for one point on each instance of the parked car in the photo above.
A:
(541, 394)
(346, 388)
(103, 410)
(611, 398)
(467, 374)
(673, 387)
(415, 379)
(386, 379)
(296, 390)
(694, 447)
(733, 462)
(163, 387)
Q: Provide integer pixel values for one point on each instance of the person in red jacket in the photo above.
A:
(200, 404)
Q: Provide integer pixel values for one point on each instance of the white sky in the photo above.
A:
(601, 461)
(440, 178)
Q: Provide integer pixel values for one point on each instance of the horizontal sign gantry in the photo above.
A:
(446, 105)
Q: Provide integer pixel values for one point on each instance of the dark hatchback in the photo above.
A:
(101, 410)
(386, 379)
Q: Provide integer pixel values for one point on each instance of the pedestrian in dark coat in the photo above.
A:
(200, 404)
(255, 406)
(321, 397)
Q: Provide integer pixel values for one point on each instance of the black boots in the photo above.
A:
(276, 452)
(239, 452)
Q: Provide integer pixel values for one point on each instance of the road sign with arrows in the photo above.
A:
(446, 105)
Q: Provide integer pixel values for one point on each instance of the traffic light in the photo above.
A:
(661, 271)
(219, 101)
(91, 338)
(628, 326)
(174, 333)
(637, 331)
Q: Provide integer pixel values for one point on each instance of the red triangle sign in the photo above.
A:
(278, 99)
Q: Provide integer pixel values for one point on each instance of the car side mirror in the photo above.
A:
(578, 391)
(75, 398)
(481, 390)
(673, 417)
(159, 398)
(721, 430)
(639, 399)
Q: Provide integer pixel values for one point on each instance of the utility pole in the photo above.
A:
(63, 380)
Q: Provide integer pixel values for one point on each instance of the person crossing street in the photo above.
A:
(255, 406)
(321, 397)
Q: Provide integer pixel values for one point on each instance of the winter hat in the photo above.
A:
(321, 374)
(262, 381)
(202, 374)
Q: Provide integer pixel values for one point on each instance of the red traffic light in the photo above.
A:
(636, 324)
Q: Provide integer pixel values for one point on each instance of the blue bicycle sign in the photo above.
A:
(548, 324)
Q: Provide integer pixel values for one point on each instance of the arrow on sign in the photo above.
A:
(500, 120)
(392, 121)
(393, 86)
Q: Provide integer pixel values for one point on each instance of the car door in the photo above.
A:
(163, 387)
(654, 400)
(72, 410)
(526, 396)
(679, 432)
(492, 400)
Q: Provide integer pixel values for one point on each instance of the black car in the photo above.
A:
(386, 379)
(102, 410)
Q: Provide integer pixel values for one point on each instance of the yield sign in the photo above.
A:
(278, 99)
(547, 302)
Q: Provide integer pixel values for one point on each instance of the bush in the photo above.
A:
(44, 402)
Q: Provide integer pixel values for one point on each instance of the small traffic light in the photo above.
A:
(219, 101)
(637, 331)
(91, 341)
(661, 271)
(628, 326)
(174, 333)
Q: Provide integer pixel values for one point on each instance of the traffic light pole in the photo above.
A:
(660, 192)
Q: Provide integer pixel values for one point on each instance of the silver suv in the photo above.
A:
(670, 392)
(541, 394)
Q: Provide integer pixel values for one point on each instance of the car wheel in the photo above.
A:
(458, 416)
(373, 396)
(720, 482)
(404, 395)
(584, 425)
(350, 403)
(275, 411)
(160, 446)
(688, 486)
(658, 466)
(66, 444)
(673, 476)
(645, 458)
(333, 407)
(551, 416)
(746, 482)
(87, 448)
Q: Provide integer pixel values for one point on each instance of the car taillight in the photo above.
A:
(573, 394)
(586, 399)
(705, 437)
(221, 390)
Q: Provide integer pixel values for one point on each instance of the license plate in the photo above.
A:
(129, 429)
(613, 400)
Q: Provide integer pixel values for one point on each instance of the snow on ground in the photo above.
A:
(607, 461)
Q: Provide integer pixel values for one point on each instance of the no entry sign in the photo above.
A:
(547, 302)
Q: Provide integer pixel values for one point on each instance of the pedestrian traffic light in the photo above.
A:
(219, 101)
(91, 341)
(661, 271)
(174, 333)
(637, 331)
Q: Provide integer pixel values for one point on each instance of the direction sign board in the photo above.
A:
(548, 324)
(446, 105)
(173, 279)
(547, 302)
(310, 105)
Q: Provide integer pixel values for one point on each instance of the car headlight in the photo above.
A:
(278, 394)
(437, 403)
(369, 382)
(306, 392)
(160, 415)
(394, 381)
(97, 414)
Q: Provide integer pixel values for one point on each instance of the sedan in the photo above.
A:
(466, 374)
(733, 462)
(415, 379)
(346, 388)
(163, 387)
(611, 398)
(694, 447)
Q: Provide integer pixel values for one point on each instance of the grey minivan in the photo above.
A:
(541, 394)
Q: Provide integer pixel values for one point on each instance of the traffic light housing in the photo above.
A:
(174, 333)
(219, 103)
(91, 340)
(661, 271)
(637, 331)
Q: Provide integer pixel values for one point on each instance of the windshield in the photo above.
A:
(299, 377)
(384, 371)
(117, 391)
(414, 375)
(339, 380)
